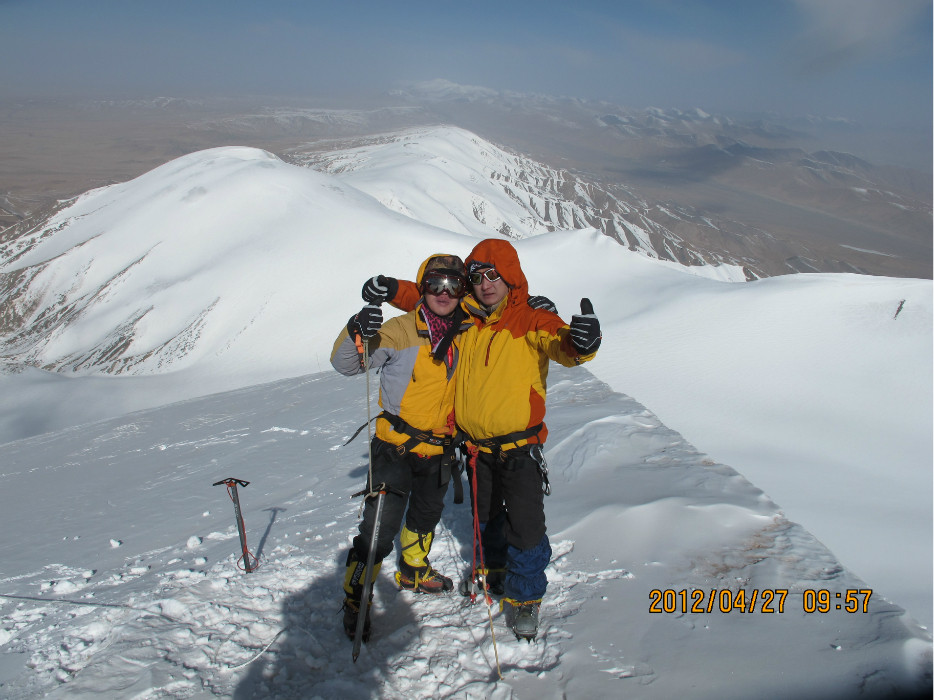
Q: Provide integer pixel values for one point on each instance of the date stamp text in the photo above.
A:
(756, 600)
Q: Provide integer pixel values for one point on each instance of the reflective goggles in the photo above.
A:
(490, 273)
(437, 282)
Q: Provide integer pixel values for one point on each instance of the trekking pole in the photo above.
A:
(363, 346)
(368, 573)
(231, 485)
(379, 493)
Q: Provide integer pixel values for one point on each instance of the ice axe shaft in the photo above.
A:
(231, 485)
(368, 578)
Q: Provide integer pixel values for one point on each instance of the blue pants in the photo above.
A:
(511, 509)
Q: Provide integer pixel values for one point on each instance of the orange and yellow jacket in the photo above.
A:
(413, 385)
(501, 378)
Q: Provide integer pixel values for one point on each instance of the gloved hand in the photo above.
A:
(378, 289)
(366, 323)
(585, 329)
(539, 302)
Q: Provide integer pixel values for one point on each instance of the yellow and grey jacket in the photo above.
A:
(413, 385)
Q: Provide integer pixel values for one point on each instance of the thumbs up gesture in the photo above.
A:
(585, 329)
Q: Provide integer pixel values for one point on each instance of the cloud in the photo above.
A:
(840, 33)
(680, 53)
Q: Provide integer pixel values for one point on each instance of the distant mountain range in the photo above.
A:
(769, 194)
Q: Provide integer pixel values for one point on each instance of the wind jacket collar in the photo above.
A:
(483, 313)
(467, 308)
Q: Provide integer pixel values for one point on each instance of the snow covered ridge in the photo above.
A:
(194, 258)
(450, 178)
(197, 259)
(136, 593)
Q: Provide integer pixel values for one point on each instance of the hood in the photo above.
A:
(501, 255)
(451, 262)
(424, 265)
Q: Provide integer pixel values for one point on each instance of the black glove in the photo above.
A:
(366, 323)
(379, 289)
(543, 303)
(585, 329)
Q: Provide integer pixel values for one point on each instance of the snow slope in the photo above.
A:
(806, 384)
(228, 268)
(131, 589)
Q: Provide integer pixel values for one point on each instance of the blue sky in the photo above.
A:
(867, 60)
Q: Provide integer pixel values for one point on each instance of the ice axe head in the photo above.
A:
(230, 481)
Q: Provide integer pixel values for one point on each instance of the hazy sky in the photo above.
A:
(868, 60)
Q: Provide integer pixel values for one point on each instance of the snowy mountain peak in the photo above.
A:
(450, 178)
(202, 257)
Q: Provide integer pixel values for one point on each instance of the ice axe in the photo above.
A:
(368, 579)
(249, 561)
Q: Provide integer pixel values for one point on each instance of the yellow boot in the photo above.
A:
(415, 573)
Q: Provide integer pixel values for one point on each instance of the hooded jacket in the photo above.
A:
(414, 385)
(502, 374)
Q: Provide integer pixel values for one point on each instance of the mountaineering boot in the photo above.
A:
(353, 593)
(526, 622)
(495, 582)
(415, 573)
(351, 608)
(491, 553)
(523, 619)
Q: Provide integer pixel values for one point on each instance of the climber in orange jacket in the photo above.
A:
(499, 402)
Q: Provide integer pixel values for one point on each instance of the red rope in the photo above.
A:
(473, 451)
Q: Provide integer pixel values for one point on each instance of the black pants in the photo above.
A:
(420, 482)
(514, 485)
(511, 509)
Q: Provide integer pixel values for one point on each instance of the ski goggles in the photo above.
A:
(437, 282)
(490, 274)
